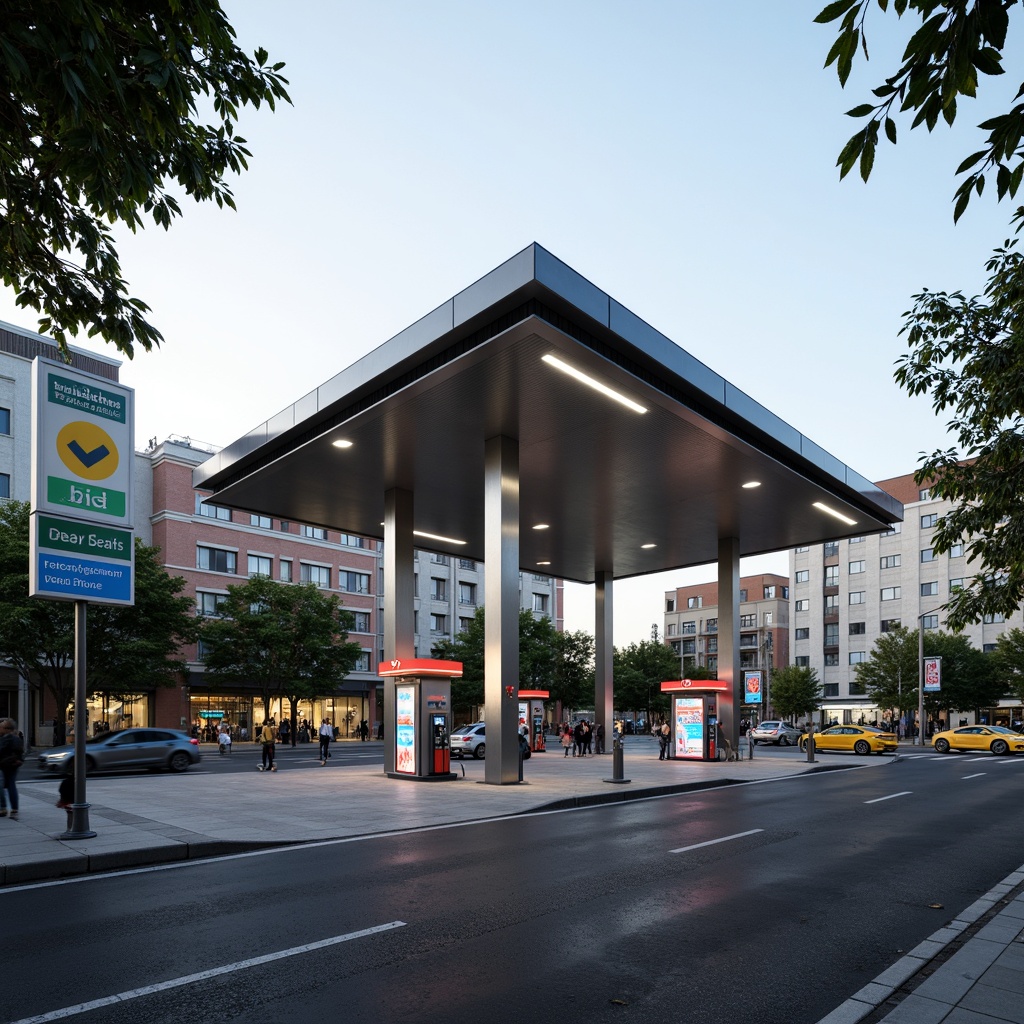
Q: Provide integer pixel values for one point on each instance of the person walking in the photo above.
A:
(599, 741)
(326, 733)
(577, 740)
(12, 757)
(566, 739)
(364, 730)
(663, 742)
(267, 739)
(223, 740)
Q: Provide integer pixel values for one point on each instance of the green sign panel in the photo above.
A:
(89, 499)
(84, 539)
(87, 398)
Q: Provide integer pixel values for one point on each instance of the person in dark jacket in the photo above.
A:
(12, 751)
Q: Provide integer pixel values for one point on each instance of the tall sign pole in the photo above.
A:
(82, 540)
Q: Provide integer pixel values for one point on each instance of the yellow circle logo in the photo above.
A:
(87, 450)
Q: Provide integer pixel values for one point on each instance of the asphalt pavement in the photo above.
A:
(971, 971)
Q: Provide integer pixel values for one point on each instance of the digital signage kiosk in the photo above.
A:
(423, 709)
(531, 717)
(693, 718)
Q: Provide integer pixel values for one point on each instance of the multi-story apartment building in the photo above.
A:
(212, 547)
(847, 593)
(691, 624)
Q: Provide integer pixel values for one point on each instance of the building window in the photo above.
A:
(831, 660)
(361, 623)
(260, 565)
(285, 526)
(856, 540)
(929, 622)
(439, 559)
(803, 605)
(263, 522)
(856, 567)
(857, 596)
(748, 621)
(540, 603)
(5, 485)
(711, 626)
(210, 511)
(890, 593)
(831, 575)
(362, 662)
(803, 633)
(831, 602)
(216, 560)
(831, 689)
(858, 657)
(670, 604)
(924, 494)
(856, 689)
(928, 521)
(438, 624)
(467, 563)
(894, 529)
(354, 582)
(318, 575)
(670, 629)
(5, 421)
(464, 625)
(858, 628)
(929, 589)
(830, 549)
(314, 532)
(803, 576)
(693, 602)
(888, 625)
(803, 660)
(286, 570)
(956, 584)
(831, 634)
(350, 540)
(743, 596)
(956, 551)
(769, 592)
(438, 589)
(993, 618)
(988, 648)
(805, 548)
(889, 562)
(927, 554)
(689, 647)
(467, 593)
(209, 604)
(712, 643)
(768, 618)
(688, 627)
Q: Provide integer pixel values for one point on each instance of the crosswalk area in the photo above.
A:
(979, 758)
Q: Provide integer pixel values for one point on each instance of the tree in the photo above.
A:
(639, 670)
(284, 638)
(889, 676)
(1008, 661)
(128, 648)
(468, 648)
(99, 124)
(966, 353)
(795, 691)
(573, 683)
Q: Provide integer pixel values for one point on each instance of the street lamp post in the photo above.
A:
(920, 674)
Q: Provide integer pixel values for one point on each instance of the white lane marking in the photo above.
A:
(976, 775)
(1011, 760)
(891, 796)
(712, 842)
(241, 965)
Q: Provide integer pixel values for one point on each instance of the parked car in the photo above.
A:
(782, 734)
(996, 738)
(468, 739)
(129, 748)
(861, 739)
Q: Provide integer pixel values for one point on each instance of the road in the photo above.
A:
(768, 902)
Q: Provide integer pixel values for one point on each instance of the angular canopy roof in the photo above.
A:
(626, 489)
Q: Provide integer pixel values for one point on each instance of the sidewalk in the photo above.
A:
(971, 971)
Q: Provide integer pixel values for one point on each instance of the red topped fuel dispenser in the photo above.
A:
(531, 717)
(423, 709)
(693, 717)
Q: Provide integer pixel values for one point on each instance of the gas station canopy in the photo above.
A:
(634, 457)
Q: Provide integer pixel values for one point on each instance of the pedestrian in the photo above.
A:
(66, 796)
(577, 740)
(326, 733)
(364, 730)
(223, 740)
(267, 739)
(588, 736)
(663, 741)
(599, 734)
(12, 757)
(566, 739)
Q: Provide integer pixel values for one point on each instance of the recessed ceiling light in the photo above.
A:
(342, 443)
(542, 526)
(750, 484)
(435, 536)
(590, 382)
(833, 512)
(646, 546)
(543, 563)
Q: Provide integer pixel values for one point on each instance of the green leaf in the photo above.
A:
(834, 10)
(890, 130)
(867, 160)
(861, 111)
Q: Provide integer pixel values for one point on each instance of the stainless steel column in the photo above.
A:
(399, 601)
(501, 601)
(730, 702)
(604, 709)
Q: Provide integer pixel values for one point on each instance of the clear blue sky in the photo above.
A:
(681, 155)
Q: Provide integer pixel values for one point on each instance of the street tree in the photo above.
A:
(288, 640)
(966, 353)
(795, 691)
(109, 113)
(573, 683)
(129, 649)
(1008, 661)
(638, 670)
(889, 676)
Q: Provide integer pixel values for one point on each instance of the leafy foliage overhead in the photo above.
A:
(108, 113)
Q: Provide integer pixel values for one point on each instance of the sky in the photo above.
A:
(679, 154)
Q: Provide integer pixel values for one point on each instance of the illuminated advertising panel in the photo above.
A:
(688, 713)
(753, 684)
(932, 675)
(405, 729)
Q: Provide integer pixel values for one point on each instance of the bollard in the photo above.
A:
(617, 758)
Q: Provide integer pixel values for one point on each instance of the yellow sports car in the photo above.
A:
(980, 737)
(861, 739)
